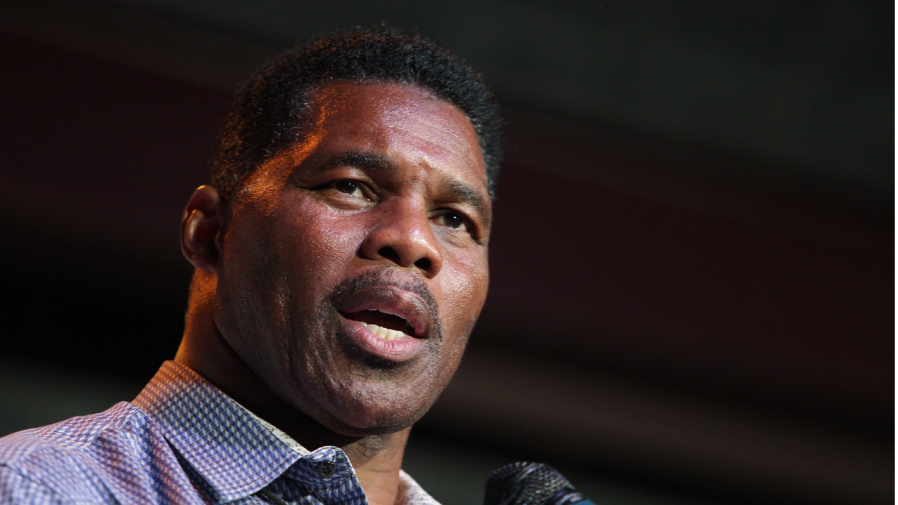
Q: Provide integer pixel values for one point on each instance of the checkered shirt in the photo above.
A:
(181, 441)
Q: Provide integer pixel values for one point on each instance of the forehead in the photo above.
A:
(396, 119)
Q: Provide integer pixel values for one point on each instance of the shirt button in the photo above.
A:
(325, 469)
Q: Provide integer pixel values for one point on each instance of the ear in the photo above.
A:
(204, 219)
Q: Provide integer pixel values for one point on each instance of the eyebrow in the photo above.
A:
(458, 190)
(373, 162)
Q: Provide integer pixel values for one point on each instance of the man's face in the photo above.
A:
(354, 265)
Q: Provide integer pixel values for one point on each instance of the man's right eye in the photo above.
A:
(348, 187)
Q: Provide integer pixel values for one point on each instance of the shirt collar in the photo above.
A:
(219, 438)
(411, 493)
(234, 451)
(270, 428)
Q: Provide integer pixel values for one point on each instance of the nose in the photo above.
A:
(403, 235)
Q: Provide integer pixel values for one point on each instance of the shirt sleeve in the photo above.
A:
(18, 489)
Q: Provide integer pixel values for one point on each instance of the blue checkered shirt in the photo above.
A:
(181, 441)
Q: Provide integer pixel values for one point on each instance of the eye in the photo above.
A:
(453, 220)
(348, 187)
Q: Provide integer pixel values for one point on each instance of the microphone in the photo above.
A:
(524, 483)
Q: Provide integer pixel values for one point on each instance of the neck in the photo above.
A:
(376, 459)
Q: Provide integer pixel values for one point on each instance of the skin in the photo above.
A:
(383, 202)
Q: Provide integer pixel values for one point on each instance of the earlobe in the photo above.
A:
(203, 221)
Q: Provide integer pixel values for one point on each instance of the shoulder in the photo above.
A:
(74, 458)
(78, 437)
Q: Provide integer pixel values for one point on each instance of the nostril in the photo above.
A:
(389, 253)
(423, 264)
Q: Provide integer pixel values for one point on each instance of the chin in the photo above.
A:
(367, 415)
(364, 422)
(361, 432)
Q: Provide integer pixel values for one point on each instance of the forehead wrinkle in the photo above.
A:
(399, 114)
(457, 143)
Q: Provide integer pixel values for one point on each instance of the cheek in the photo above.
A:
(283, 263)
(465, 288)
(322, 245)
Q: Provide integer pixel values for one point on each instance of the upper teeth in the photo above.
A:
(384, 333)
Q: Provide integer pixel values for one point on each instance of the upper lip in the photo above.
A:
(390, 299)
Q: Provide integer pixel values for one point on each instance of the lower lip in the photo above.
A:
(397, 350)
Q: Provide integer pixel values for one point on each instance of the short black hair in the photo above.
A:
(270, 110)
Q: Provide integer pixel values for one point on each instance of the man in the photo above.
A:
(341, 263)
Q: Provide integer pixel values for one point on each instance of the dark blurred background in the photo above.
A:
(692, 262)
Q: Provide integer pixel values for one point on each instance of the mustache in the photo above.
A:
(388, 276)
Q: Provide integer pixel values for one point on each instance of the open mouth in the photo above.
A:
(384, 325)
